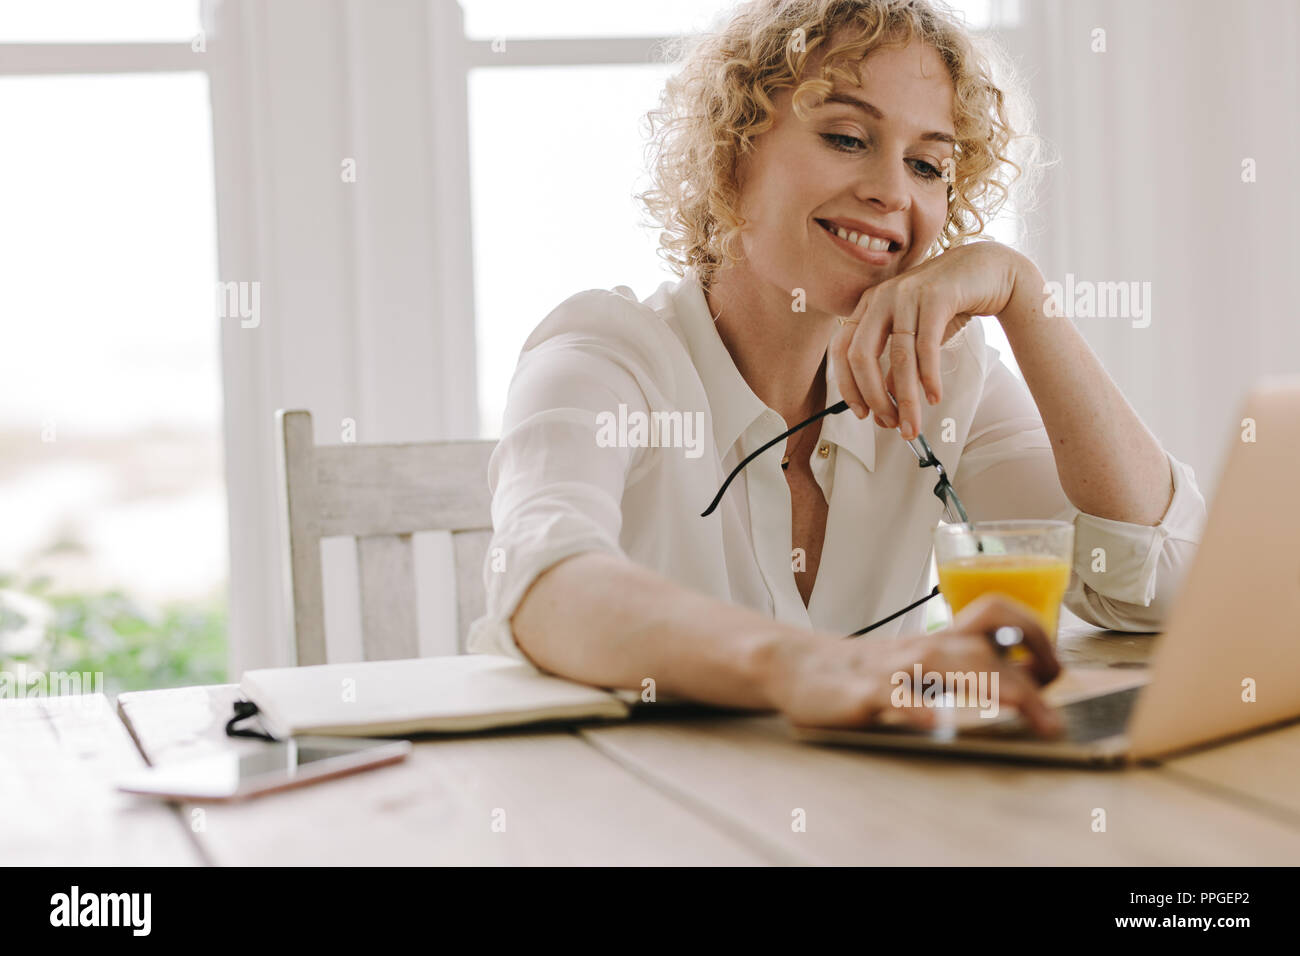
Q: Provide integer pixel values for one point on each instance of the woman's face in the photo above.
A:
(868, 160)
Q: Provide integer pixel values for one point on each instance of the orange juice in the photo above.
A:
(1035, 580)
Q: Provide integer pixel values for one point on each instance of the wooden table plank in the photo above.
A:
(563, 802)
(877, 808)
(1262, 770)
(1080, 644)
(59, 759)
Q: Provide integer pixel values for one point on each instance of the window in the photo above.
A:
(552, 200)
(98, 21)
(520, 19)
(113, 557)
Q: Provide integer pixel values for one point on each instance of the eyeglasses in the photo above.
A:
(925, 457)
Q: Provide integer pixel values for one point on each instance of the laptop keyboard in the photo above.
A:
(1099, 717)
(1095, 718)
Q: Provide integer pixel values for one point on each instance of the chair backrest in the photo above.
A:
(380, 495)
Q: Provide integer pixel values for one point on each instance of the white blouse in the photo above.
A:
(624, 417)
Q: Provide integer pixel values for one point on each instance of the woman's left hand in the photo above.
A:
(934, 300)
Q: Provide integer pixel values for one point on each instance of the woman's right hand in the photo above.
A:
(822, 681)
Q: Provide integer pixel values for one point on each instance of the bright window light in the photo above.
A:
(524, 19)
(111, 406)
(98, 21)
(533, 19)
(552, 195)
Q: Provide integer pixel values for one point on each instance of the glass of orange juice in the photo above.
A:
(1029, 561)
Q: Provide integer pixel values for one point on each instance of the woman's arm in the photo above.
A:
(1109, 463)
(1094, 452)
(601, 619)
(1125, 574)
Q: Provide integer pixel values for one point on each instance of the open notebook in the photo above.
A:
(423, 695)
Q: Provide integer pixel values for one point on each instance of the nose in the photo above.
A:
(883, 185)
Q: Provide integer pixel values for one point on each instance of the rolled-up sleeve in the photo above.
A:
(1125, 576)
(556, 491)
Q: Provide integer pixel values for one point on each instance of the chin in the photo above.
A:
(841, 296)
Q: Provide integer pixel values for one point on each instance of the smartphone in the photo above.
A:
(266, 768)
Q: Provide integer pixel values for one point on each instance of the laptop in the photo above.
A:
(1228, 661)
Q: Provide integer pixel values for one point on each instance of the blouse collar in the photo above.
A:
(733, 404)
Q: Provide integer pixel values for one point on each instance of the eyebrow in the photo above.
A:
(871, 111)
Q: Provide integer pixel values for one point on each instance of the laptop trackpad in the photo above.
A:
(1086, 697)
(1093, 718)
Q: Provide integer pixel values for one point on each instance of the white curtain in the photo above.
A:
(1151, 137)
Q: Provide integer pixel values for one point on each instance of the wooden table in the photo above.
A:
(667, 790)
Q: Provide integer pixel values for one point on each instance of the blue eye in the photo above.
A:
(924, 170)
(842, 142)
(851, 144)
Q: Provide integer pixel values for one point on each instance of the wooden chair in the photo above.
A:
(380, 495)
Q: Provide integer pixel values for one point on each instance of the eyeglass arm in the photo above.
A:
(943, 490)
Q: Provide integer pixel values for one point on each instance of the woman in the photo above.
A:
(820, 165)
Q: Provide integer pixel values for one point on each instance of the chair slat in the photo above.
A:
(301, 536)
(398, 489)
(386, 567)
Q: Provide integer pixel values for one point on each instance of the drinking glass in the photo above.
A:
(1026, 560)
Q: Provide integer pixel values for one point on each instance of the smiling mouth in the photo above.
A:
(870, 243)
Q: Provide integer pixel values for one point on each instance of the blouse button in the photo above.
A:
(824, 449)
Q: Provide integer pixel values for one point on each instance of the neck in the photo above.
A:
(778, 351)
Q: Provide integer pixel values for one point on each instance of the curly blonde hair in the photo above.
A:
(722, 98)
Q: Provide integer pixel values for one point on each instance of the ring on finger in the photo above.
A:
(1009, 642)
(1007, 637)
